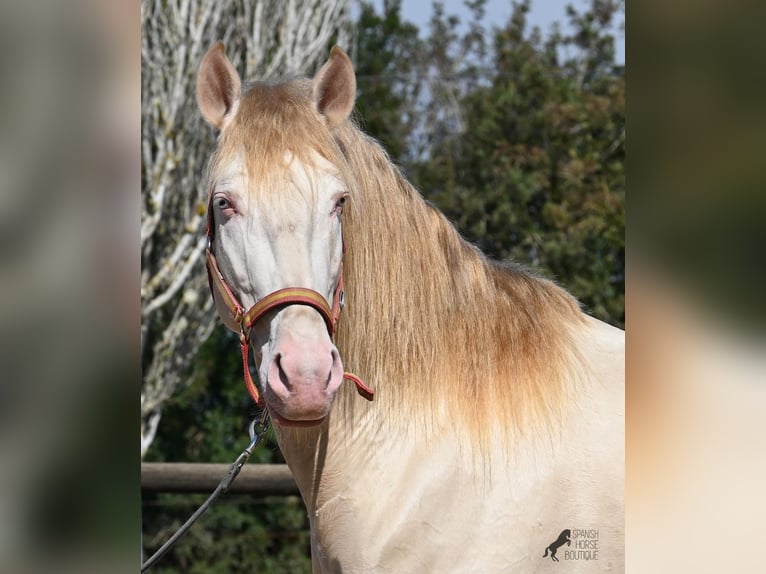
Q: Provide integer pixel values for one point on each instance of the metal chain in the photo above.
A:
(257, 430)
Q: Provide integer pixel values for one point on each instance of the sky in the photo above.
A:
(543, 14)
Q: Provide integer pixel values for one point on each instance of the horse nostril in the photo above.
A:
(282, 375)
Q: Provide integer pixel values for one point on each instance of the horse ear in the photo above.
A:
(334, 88)
(218, 87)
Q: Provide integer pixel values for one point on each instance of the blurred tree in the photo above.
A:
(386, 63)
(535, 171)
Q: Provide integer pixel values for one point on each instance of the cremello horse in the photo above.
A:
(498, 412)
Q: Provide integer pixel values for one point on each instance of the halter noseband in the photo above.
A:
(246, 319)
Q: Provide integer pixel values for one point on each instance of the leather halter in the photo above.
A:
(281, 298)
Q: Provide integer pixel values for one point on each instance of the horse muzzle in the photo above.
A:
(302, 371)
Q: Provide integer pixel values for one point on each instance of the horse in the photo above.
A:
(498, 407)
(564, 538)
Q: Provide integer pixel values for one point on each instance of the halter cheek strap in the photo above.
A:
(246, 319)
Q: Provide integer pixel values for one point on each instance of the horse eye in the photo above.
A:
(222, 203)
(341, 203)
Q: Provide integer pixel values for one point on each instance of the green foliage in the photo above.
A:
(385, 70)
(536, 171)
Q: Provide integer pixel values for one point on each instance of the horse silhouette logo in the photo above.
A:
(560, 541)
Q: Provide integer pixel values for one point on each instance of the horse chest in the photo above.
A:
(439, 510)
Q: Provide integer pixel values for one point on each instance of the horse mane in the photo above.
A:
(443, 334)
(434, 325)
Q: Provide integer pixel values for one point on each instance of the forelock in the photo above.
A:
(272, 120)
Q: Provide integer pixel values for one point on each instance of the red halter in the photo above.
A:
(246, 319)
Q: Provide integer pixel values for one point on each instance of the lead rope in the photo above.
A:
(258, 428)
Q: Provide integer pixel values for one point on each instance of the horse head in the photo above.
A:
(278, 186)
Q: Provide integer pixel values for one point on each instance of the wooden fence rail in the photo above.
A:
(255, 479)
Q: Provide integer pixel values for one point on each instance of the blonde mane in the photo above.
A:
(430, 323)
(436, 326)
